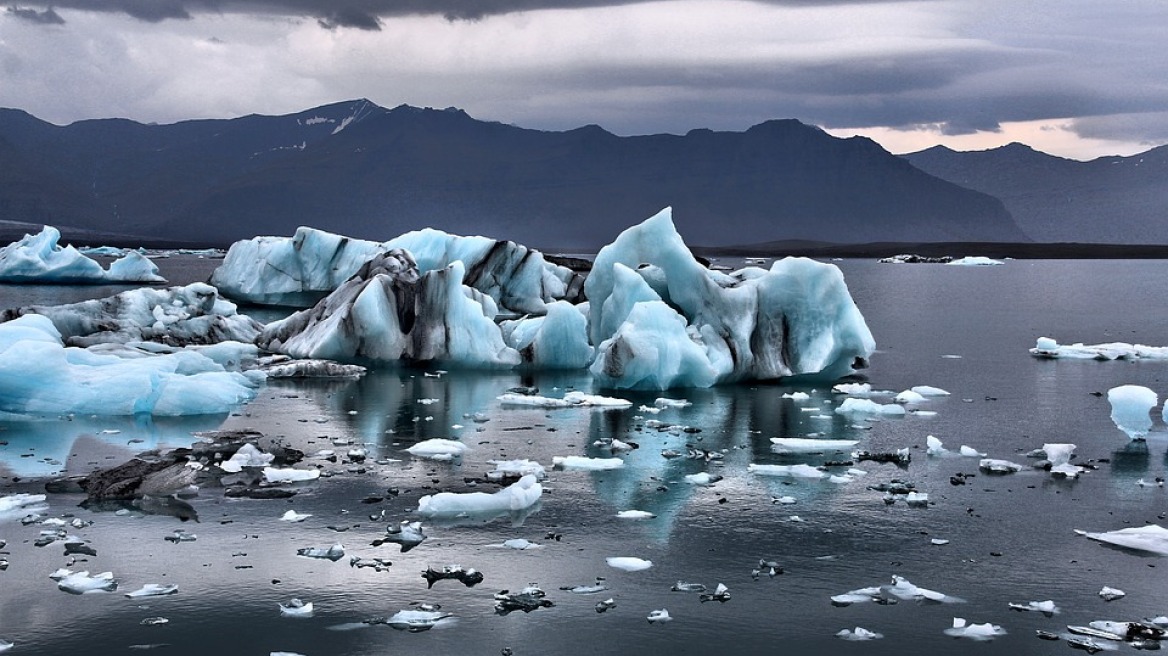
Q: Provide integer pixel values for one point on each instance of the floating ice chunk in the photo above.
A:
(702, 478)
(995, 466)
(927, 390)
(527, 600)
(938, 542)
(293, 516)
(858, 634)
(797, 396)
(247, 456)
(934, 446)
(594, 588)
(628, 563)
(153, 590)
(333, 553)
(520, 544)
(901, 588)
(1047, 607)
(1151, 538)
(660, 616)
(520, 495)
(784, 500)
(974, 260)
(1130, 405)
(570, 400)
(407, 534)
(810, 445)
(909, 396)
(14, 505)
(663, 402)
(438, 449)
(108, 382)
(587, 464)
(963, 629)
(1046, 347)
(82, 583)
(635, 514)
(289, 475)
(312, 368)
(1111, 594)
(40, 258)
(468, 577)
(853, 389)
(917, 499)
(720, 594)
(857, 406)
(416, 621)
(652, 350)
(970, 452)
(296, 608)
(5, 645)
(505, 469)
(793, 471)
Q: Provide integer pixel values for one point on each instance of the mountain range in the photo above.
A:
(366, 171)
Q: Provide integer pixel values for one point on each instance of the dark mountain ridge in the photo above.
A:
(1116, 200)
(360, 169)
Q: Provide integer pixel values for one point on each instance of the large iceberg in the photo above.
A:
(177, 316)
(40, 258)
(389, 311)
(557, 340)
(796, 318)
(121, 381)
(301, 269)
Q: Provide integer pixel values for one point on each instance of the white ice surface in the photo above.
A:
(1152, 538)
(628, 563)
(1046, 347)
(520, 495)
(40, 258)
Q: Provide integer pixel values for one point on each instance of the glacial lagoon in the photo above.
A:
(966, 330)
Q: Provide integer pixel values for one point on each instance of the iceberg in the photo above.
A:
(82, 583)
(416, 621)
(996, 466)
(659, 616)
(389, 312)
(973, 260)
(438, 449)
(585, 463)
(1130, 408)
(628, 563)
(153, 590)
(570, 400)
(40, 258)
(857, 634)
(313, 263)
(1059, 456)
(797, 318)
(792, 471)
(963, 629)
(810, 445)
(176, 316)
(867, 407)
(1049, 348)
(520, 495)
(1152, 538)
(296, 608)
(105, 382)
(556, 340)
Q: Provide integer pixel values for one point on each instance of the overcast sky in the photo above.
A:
(1078, 78)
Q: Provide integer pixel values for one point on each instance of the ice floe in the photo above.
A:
(800, 470)
(296, 608)
(82, 583)
(585, 463)
(1152, 538)
(899, 588)
(416, 621)
(963, 629)
(289, 475)
(858, 634)
(659, 616)
(1130, 408)
(1107, 593)
(109, 382)
(574, 399)
(1045, 347)
(628, 563)
(41, 259)
(153, 590)
(520, 495)
(635, 514)
(810, 445)
(333, 553)
(438, 449)
(868, 407)
(973, 260)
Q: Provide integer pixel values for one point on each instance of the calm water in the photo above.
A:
(1011, 537)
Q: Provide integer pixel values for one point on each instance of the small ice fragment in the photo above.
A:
(520, 544)
(853, 389)
(797, 396)
(154, 621)
(438, 449)
(963, 629)
(1130, 408)
(599, 586)
(794, 471)
(628, 563)
(995, 466)
(246, 456)
(153, 590)
(909, 396)
(1059, 456)
(407, 534)
(682, 586)
(659, 616)
(586, 464)
(293, 516)
(83, 583)
(917, 499)
(274, 475)
(527, 600)
(810, 445)
(861, 407)
(1047, 607)
(468, 577)
(635, 514)
(1152, 538)
(702, 478)
(720, 594)
(427, 401)
(927, 390)
(940, 542)
(784, 500)
(858, 633)
(663, 402)
(602, 606)
(6, 645)
(934, 447)
(520, 495)
(506, 469)
(416, 621)
(1111, 594)
(333, 553)
(970, 452)
(181, 536)
(296, 608)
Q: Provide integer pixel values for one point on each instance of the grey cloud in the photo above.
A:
(360, 14)
(46, 17)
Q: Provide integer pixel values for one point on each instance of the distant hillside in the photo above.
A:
(1114, 200)
(367, 171)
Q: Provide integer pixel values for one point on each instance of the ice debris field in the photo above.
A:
(456, 483)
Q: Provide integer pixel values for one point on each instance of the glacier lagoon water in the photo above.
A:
(1010, 537)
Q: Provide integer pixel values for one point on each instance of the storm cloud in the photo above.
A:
(1075, 70)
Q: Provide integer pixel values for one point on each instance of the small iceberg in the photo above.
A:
(635, 514)
(528, 599)
(296, 608)
(407, 534)
(973, 260)
(82, 583)
(153, 590)
(995, 466)
(333, 553)
(900, 588)
(1047, 607)
(293, 516)
(628, 563)
(963, 629)
(858, 634)
(660, 616)
(1046, 347)
(416, 621)
(1059, 456)
(289, 475)
(586, 464)
(792, 471)
(810, 445)
(868, 407)
(438, 449)
(41, 259)
(1151, 538)
(515, 469)
(1111, 594)
(570, 400)
(1130, 408)
(520, 495)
